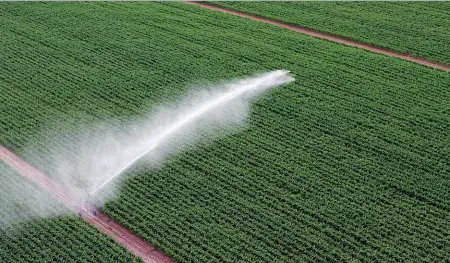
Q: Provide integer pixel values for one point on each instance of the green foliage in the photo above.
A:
(419, 29)
(349, 163)
(34, 228)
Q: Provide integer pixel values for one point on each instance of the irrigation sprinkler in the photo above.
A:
(140, 155)
(271, 79)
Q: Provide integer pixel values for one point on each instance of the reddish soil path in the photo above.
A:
(102, 222)
(326, 36)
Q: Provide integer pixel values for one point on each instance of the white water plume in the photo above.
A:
(22, 200)
(101, 157)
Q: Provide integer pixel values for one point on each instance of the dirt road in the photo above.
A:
(326, 36)
(102, 222)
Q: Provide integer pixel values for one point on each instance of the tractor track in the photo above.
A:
(102, 222)
(330, 37)
(122, 235)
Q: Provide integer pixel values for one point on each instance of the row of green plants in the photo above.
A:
(347, 163)
(35, 228)
(418, 29)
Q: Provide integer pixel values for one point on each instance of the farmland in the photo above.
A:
(26, 237)
(416, 28)
(350, 162)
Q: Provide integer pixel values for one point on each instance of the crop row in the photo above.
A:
(34, 228)
(418, 29)
(349, 162)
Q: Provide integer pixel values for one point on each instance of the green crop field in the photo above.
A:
(416, 28)
(350, 163)
(27, 237)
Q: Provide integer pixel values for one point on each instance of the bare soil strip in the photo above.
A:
(102, 222)
(326, 36)
(120, 234)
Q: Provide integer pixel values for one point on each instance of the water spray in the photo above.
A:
(184, 118)
(153, 146)
(235, 90)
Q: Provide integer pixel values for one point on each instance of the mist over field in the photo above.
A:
(22, 200)
(151, 112)
(90, 162)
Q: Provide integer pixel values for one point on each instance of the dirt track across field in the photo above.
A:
(326, 36)
(102, 222)
(120, 234)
